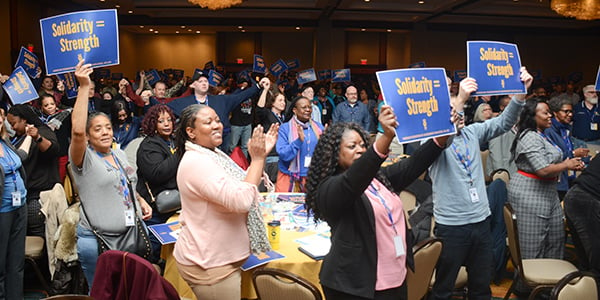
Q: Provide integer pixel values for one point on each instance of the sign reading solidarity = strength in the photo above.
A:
(420, 100)
(19, 87)
(91, 35)
(495, 66)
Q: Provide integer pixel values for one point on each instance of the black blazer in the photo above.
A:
(157, 166)
(351, 264)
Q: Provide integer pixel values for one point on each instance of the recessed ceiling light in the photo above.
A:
(197, 31)
(151, 29)
(421, 2)
(363, 29)
(243, 30)
(102, 0)
(240, 27)
(141, 26)
(131, 11)
(117, 5)
(389, 30)
(182, 26)
(297, 28)
(189, 30)
(177, 31)
(156, 31)
(367, 0)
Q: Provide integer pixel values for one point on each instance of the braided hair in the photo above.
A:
(526, 121)
(325, 162)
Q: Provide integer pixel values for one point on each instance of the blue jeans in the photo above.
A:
(13, 227)
(241, 135)
(87, 250)
(469, 245)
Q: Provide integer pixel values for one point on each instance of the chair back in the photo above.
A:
(409, 200)
(575, 285)
(426, 255)
(276, 284)
(69, 297)
(510, 219)
(501, 174)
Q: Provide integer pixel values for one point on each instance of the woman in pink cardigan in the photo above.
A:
(218, 198)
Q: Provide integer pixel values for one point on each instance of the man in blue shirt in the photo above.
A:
(586, 117)
(352, 110)
(460, 204)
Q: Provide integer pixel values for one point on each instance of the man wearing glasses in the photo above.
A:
(586, 117)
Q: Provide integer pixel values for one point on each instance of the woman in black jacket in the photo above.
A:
(370, 247)
(157, 164)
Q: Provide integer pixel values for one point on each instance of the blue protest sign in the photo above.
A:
(340, 75)
(259, 64)
(29, 61)
(460, 75)
(420, 100)
(244, 75)
(324, 74)
(70, 83)
(92, 35)
(495, 66)
(278, 67)
(214, 78)
(19, 87)
(598, 80)
(152, 77)
(420, 64)
(306, 76)
(210, 65)
(293, 64)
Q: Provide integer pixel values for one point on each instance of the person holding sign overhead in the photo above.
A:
(347, 188)
(461, 207)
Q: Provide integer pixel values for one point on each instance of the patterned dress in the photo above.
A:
(535, 200)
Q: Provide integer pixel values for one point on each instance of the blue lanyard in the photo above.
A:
(588, 112)
(17, 140)
(567, 140)
(465, 160)
(127, 199)
(279, 118)
(551, 142)
(375, 193)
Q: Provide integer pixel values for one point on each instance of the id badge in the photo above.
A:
(324, 111)
(129, 217)
(399, 245)
(16, 198)
(594, 126)
(307, 161)
(474, 195)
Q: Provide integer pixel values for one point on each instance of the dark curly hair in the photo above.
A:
(325, 162)
(151, 118)
(27, 112)
(526, 121)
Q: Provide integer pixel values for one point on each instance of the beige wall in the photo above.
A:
(362, 45)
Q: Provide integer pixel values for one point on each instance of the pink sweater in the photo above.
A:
(214, 209)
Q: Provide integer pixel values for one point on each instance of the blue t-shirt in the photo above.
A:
(11, 163)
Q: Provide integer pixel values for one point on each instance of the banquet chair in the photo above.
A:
(409, 200)
(576, 285)
(34, 252)
(537, 273)
(276, 284)
(426, 255)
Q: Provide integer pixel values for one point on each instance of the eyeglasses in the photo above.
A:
(591, 92)
(566, 111)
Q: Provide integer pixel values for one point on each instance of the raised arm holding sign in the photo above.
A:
(420, 99)
(495, 66)
(598, 80)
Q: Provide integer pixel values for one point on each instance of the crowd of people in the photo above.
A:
(328, 140)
